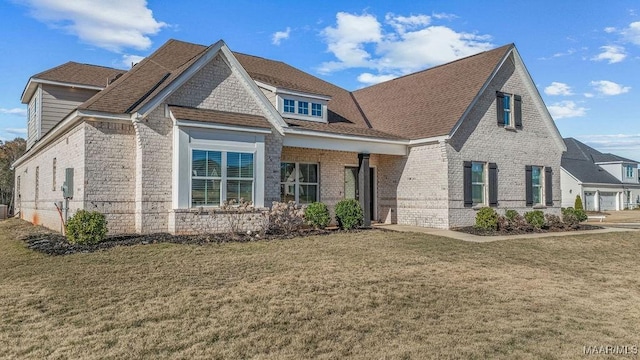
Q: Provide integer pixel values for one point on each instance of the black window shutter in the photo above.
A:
(468, 201)
(493, 184)
(500, 108)
(528, 185)
(548, 186)
(517, 110)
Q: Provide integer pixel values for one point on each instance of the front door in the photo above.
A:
(352, 188)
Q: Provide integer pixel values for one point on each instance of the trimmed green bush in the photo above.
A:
(578, 203)
(349, 214)
(511, 214)
(573, 216)
(535, 218)
(86, 227)
(317, 215)
(487, 219)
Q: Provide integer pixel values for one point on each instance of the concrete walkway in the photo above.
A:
(482, 239)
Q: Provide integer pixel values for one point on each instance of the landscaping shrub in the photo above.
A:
(511, 215)
(573, 216)
(535, 218)
(285, 217)
(317, 215)
(86, 227)
(349, 214)
(487, 219)
(578, 203)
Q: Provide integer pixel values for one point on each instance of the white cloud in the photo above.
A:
(403, 23)
(401, 45)
(346, 41)
(109, 24)
(16, 131)
(611, 53)
(632, 33)
(278, 36)
(588, 95)
(444, 16)
(370, 79)
(14, 111)
(558, 88)
(609, 88)
(129, 60)
(610, 29)
(566, 109)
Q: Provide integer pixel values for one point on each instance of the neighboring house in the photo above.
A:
(161, 147)
(603, 181)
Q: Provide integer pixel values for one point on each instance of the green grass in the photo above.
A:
(365, 295)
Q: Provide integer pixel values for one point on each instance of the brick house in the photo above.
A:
(158, 148)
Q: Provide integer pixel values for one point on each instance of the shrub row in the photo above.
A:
(488, 219)
(87, 227)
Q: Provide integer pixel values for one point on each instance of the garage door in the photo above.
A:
(589, 201)
(607, 201)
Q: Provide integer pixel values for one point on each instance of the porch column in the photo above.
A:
(364, 187)
(596, 200)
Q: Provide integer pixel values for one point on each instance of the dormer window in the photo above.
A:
(303, 108)
(316, 109)
(289, 106)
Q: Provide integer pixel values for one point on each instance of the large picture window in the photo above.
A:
(217, 176)
(298, 182)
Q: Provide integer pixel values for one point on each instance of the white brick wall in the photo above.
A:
(481, 139)
(69, 151)
(413, 188)
(110, 166)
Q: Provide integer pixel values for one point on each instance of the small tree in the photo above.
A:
(578, 204)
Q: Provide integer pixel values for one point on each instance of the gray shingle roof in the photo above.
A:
(579, 160)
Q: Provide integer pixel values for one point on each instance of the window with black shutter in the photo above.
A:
(466, 175)
(517, 111)
(509, 110)
(500, 108)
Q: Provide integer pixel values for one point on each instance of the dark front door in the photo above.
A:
(352, 188)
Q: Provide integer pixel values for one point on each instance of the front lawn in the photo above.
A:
(371, 294)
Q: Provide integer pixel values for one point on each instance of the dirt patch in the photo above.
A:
(46, 241)
(530, 230)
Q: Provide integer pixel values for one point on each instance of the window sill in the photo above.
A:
(510, 128)
(539, 207)
(478, 207)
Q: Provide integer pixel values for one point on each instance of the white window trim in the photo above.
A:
(297, 182)
(485, 180)
(223, 176)
(626, 171)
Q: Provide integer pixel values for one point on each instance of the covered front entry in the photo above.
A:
(352, 187)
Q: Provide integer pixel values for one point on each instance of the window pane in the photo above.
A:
(308, 194)
(477, 194)
(239, 165)
(477, 173)
(350, 183)
(205, 192)
(289, 106)
(535, 175)
(287, 192)
(214, 163)
(240, 190)
(537, 195)
(287, 172)
(308, 173)
(199, 163)
(507, 102)
(303, 107)
(316, 109)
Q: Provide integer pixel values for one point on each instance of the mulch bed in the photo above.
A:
(482, 232)
(53, 243)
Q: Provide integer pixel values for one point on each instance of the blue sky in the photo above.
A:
(584, 56)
